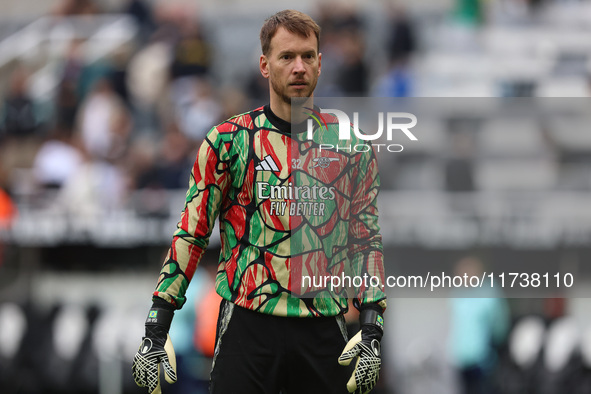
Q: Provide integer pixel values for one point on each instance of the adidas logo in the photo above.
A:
(267, 164)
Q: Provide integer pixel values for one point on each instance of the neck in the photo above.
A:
(285, 110)
(280, 108)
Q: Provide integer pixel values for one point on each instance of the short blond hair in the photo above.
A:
(293, 21)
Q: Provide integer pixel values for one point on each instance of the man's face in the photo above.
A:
(292, 65)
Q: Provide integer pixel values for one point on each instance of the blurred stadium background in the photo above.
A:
(103, 104)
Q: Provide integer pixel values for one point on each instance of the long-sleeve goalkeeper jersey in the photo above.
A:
(292, 217)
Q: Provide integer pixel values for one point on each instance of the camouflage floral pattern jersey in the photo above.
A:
(288, 210)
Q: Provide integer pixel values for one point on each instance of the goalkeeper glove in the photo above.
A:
(365, 346)
(155, 349)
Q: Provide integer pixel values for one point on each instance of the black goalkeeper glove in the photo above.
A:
(365, 346)
(155, 349)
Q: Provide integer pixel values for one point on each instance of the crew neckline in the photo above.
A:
(283, 125)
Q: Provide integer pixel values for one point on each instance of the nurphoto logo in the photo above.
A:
(395, 123)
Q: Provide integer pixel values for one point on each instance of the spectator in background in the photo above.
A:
(235, 101)
(67, 91)
(95, 188)
(170, 170)
(66, 103)
(117, 73)
(397, 81)
(104, 124)
(201, 113)
(329, 42)
(161, 168)
(20, 128)
(192, 53)
(353, 72)
(76, 79)
(19, 117)
(257, 88)
(142, 15)
(353, 76)
(191, 61)
(57, 160)
(479, 325)
(148, 78)
(402, 37)
(346, 72)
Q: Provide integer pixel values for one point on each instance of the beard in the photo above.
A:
(281, 91)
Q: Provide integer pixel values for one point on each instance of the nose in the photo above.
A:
(298, 66)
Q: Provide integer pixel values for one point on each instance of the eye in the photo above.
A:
(286, 57)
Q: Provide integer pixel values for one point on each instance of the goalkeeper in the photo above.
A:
(274, 334)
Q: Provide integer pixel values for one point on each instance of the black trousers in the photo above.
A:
(264, 354)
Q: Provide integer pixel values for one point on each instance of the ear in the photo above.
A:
(319, 63)
(264, 66)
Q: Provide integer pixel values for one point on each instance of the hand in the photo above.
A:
(155, 349)
(152, 352)
(365, 346)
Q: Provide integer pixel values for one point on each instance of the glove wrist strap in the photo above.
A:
(371, 317)
(160, 317)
